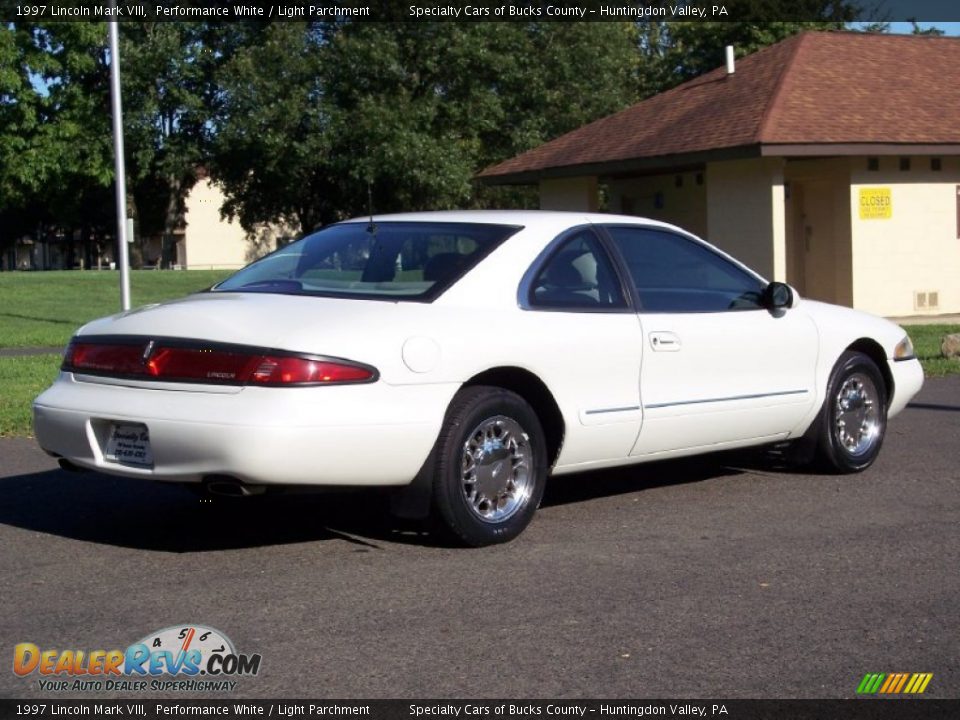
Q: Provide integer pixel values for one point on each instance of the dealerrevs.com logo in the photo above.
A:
(185, 657)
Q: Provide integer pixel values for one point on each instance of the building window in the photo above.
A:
(873, 164)
(935, 164)
(904, 163)
(678, 181)
(700, 178)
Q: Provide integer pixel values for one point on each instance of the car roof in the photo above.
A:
(526, 218)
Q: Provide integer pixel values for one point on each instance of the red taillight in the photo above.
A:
(210, 364)
(290, 370)
(94, 357)
(174, 363)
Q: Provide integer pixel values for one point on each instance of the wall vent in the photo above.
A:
(926, 300)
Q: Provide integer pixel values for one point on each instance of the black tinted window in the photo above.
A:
(578, 275)
(399, 260)
(675, 274)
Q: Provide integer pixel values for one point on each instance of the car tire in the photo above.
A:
(854, 416)
(490, 466)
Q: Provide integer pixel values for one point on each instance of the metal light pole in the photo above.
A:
(123, 255)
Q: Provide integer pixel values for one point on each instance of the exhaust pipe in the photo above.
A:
(231, 487)
(69, 466)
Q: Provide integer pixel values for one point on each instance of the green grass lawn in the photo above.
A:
(21, 380)
(926, 341)
(42, 309)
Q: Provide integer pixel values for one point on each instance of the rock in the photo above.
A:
(950, 346)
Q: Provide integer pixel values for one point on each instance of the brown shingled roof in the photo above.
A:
(813, 89)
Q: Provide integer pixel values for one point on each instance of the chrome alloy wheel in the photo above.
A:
(496, 466)
(857, 424)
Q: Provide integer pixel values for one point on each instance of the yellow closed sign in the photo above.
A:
(876, 204)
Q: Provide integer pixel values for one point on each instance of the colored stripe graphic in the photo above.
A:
(870, 683)
(894, 683)
(899, 687)
(918, 683)
(913, 682)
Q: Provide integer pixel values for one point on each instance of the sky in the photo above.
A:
(949, 28)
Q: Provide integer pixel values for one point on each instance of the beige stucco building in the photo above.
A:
(203, 241)
(830, 161)
(209, 241)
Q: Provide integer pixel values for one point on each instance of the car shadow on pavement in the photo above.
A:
(580, 487)
(933, 406)
(170, 518)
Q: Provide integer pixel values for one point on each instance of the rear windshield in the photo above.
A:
(386, 260)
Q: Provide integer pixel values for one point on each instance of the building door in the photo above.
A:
(796, 239)
(818, 244)
(819, 268)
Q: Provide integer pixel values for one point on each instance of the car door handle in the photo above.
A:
(664, 341)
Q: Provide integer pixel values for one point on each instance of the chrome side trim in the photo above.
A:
(611, 410)
(727, 399)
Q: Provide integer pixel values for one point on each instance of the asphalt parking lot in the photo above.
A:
(719, 577)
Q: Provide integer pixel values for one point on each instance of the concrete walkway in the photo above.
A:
(27, 351)
(927, 320)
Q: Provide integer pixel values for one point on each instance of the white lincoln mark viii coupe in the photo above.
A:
(464, 357)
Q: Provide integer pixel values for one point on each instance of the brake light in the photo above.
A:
(286, 370)
(173, 363)
(213, 364)
(120, 359)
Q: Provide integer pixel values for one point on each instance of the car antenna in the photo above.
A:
(372, 227)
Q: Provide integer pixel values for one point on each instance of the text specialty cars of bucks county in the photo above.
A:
(464, 357)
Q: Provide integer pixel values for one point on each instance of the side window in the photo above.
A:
(675, 274)
(579, 275)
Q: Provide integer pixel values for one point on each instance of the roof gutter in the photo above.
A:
(674, 162)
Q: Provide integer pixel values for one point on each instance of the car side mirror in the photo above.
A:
(778, 296)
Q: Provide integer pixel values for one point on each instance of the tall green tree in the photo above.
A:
(673, 52)
(165, 82)
(315, 117)
(691, 49)
(917, 30)
(271, 148)
(55, 158)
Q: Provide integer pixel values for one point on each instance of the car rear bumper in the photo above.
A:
(359, 435)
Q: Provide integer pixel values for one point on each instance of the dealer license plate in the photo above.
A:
(129, 444)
